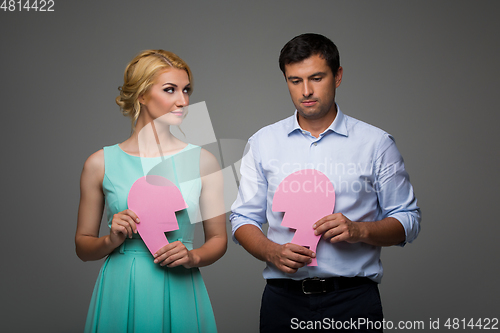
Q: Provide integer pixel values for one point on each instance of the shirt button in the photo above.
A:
(303, 132)
(315, 143)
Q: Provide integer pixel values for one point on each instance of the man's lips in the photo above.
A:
(309, 102)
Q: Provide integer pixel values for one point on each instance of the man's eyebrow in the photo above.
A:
(318, 74)
(312, 75)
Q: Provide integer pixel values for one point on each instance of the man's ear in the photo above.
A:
(338, 77)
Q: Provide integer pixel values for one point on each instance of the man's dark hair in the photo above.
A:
(303, 46)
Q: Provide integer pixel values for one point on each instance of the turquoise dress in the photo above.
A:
(132, 293)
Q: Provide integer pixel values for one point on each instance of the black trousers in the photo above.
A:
(356, 309)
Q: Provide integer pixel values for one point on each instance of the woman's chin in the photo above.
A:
(170, 119)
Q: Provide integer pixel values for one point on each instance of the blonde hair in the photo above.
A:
(140, 75)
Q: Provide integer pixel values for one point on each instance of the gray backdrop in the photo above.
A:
(425, 71)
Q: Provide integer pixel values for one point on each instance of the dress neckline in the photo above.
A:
(180, 151)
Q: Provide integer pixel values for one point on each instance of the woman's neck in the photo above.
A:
(151, 140)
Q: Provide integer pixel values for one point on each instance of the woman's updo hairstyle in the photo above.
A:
(141, 74)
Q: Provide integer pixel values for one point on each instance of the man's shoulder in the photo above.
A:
(368, 135)
(358, 127)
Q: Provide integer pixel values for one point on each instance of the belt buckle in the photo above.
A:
(313, 280)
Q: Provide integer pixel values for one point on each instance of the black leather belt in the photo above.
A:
(319, 285)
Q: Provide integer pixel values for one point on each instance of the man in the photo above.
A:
(374, 202)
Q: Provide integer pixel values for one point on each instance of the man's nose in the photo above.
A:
(307, 90)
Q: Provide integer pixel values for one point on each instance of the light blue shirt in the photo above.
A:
(367, 173)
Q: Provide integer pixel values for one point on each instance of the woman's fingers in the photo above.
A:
(128, 219)
(172, 255)
(133, 215)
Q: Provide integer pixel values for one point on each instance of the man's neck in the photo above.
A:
(319, 125)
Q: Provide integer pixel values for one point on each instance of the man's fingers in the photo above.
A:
(288, 270)
(326, 226)
(291, 266)
(299, 258)
(290, 257)
(328, 218)
(321, 221)
(301, 250)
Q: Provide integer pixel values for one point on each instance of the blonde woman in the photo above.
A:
(135, 290)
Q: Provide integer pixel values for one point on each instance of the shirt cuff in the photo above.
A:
(411, 224)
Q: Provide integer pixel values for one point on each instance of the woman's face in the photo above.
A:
(166, 97)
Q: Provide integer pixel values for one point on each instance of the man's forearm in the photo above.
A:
(386, 232)
(254, 241)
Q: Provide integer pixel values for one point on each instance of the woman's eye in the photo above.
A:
(169, 90)
(187, 90)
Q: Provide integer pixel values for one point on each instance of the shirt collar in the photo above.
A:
(338, 125)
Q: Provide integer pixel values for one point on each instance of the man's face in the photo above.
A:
(312, 86)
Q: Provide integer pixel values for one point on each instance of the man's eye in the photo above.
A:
(317, 79)
(295, 81)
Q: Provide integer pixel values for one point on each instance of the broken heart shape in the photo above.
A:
(305, 196)
(155, 200)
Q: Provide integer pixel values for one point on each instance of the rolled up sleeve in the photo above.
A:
(395, 192)
(251, 202)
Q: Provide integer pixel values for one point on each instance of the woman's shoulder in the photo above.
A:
(95, 163)
(208, 162)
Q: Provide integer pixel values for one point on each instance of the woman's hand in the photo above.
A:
(124, 224)
(175, 254)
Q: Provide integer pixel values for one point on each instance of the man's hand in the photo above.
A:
(338, 228)
(289, 257)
